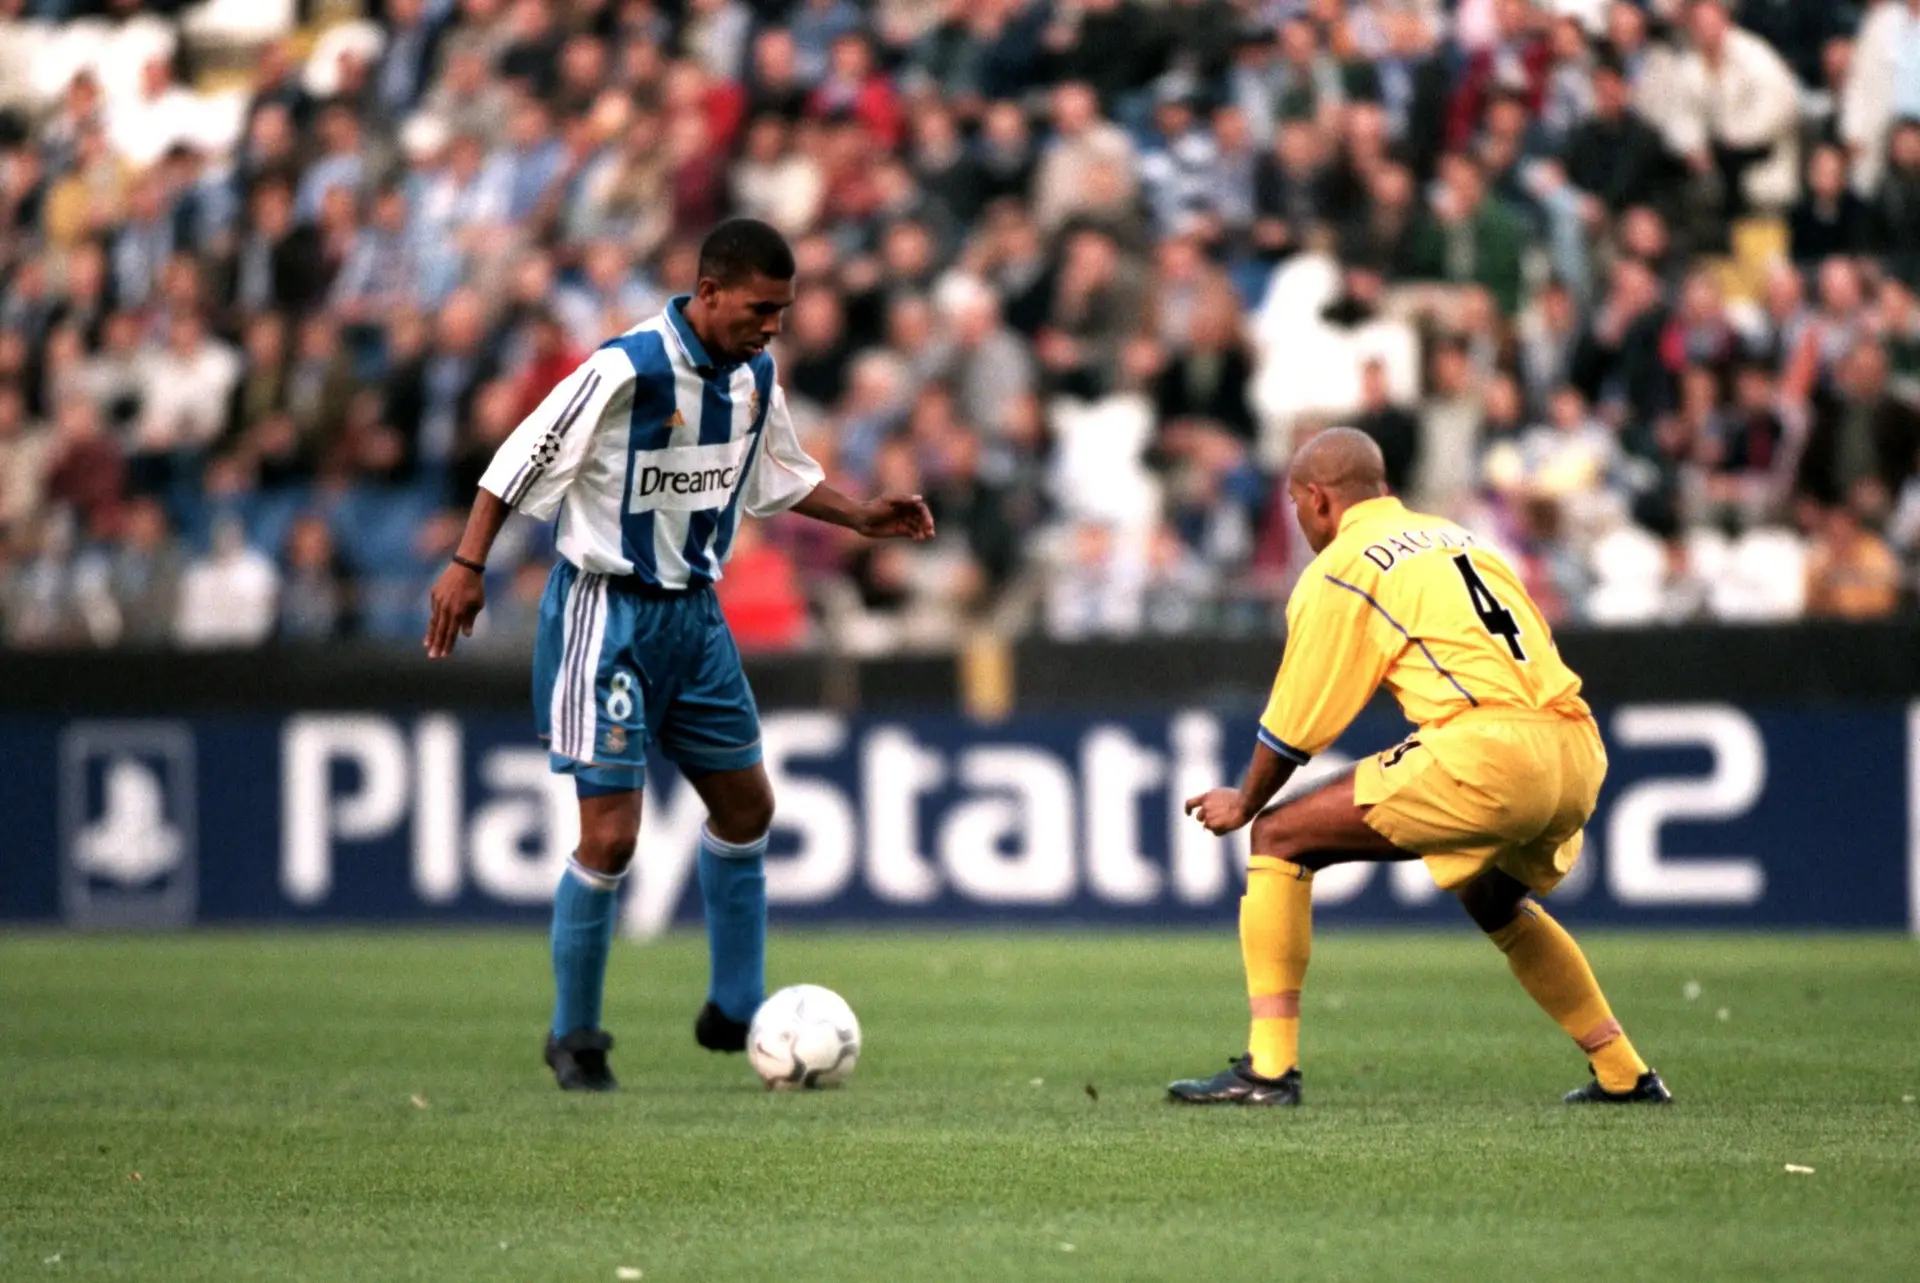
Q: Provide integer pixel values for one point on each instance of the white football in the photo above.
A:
(804, 1036)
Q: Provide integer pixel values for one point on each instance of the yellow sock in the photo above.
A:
(1276, 935)
(1550, 967)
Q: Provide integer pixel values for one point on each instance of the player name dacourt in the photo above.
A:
(1389, 552)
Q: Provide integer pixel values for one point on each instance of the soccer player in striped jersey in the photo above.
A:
(1492, 790)
(651, 453)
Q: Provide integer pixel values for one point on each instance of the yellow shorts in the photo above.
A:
(1495, 787)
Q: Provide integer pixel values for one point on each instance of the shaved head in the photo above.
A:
(1332, 471)
(1343, 460)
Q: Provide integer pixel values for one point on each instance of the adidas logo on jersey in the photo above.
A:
(676, 420)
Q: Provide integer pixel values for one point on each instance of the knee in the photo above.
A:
(607, 844)
(1492, 902)
(744, 819)
(1273, 835)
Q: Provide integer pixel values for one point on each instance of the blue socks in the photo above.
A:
(733, 887)
(584, 909)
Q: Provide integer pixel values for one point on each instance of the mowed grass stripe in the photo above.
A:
(264, 1086)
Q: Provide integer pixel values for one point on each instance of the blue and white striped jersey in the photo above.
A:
(650, 453)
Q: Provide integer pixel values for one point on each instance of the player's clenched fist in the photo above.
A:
(1221, 810)
(457, 597)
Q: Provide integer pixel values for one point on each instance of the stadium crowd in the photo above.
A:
(1633, 289)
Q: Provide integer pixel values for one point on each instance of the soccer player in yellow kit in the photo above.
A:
(1492, 790)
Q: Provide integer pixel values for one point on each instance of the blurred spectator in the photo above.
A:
(1562, 465)
(1516, 58)
(1883, 89)
(775, 182)
(519, 172)
(142, 244)
(1747, 447)
(1289, 189)
(1450, 422)
(315, 598)
(382, 267)
(1615, 158)
(139, 577)
(1095, 295)
(1617, 364)
(814, 349)
(185, 390)
(761, 594)
(1097, 586)
(1083, 145)
(87, 474)
(467, 103)
(319, 383)
(26, 453)
(430, 395)
(407, 61)
(37, 599)
(990, 368)
(1470, 236)
(1851, 573)
(279, 265)
(854, 88)
(340, 164)
(155, 116)
(549, 357)
(1206, 380)
(1829, 219)
(1734, 116)
(1861, 433)
(1392, 427)
(1548, 335)
(227, 598)
(1896, 207)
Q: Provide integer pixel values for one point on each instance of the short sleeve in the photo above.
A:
(783, 474)
(534, 466)
(1335, 659)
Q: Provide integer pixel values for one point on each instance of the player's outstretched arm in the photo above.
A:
(887, 516)
(1224, 810)
(461, 590)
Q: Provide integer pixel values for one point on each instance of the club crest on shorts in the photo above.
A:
(616, 739)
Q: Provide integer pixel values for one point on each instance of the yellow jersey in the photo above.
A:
(1415, 602)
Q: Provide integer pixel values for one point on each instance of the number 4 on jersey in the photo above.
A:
(1498, 619)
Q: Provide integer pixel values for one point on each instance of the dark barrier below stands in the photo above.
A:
(1812, 662)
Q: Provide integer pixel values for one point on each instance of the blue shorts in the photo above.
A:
(617, 664)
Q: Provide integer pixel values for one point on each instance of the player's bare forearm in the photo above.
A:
(1224, 810)
(460, 592)
(488, 514)
(884, 516)
(1267, 774)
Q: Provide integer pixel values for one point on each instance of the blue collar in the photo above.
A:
(682, 328)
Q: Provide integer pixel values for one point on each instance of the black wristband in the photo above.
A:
(476, 567)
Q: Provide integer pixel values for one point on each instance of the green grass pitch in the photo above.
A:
(372, 1106)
